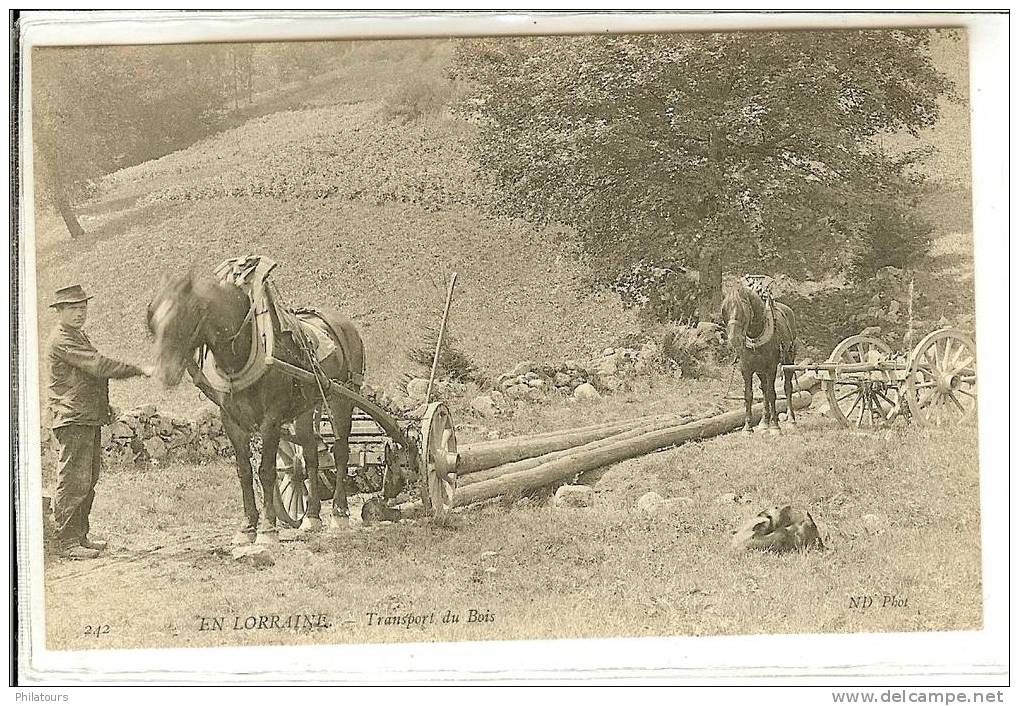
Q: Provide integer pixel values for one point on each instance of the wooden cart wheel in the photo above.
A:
(438, 459)
(290, 497)
(868, 399)
(942, 385)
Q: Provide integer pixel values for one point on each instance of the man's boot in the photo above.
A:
(97, 544)
(76, 551)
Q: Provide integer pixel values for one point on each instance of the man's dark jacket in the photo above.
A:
(79, 379)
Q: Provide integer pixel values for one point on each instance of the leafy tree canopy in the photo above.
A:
(761, 148)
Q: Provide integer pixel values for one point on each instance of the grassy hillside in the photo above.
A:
(363, 210)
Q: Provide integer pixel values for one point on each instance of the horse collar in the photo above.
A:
(769, 327)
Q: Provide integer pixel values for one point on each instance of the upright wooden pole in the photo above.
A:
(438, 344)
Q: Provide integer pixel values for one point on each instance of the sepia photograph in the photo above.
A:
(471, 337)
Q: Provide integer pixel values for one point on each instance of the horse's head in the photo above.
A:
(174, 318)
(737, 312)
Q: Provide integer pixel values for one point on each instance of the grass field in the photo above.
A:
(566, 573)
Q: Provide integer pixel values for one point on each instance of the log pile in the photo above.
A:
(514, 466)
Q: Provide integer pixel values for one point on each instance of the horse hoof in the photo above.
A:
(268, 538)
(748, 430)
(242, 538)
(338, 522)
(774, 431)
(310, 524)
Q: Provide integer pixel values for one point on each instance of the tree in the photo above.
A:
(745, 151)
(98, 109)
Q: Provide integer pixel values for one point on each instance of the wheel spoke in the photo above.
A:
(969, 394)
(957, 403)
(948, 354)
(853, 408)
(957, 368)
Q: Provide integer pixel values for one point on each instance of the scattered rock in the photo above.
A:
(120, 430)
(586, 392)
(726, 498)
(376, 510)
(253, 554)
(873, 524)
(650, 502)
(155, 448)
(484, 405)
(522, 368)
(417, 388)
(574, 496)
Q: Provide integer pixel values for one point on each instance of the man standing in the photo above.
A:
(80, 402)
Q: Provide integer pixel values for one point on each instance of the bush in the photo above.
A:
(453, 365)
(694, 351)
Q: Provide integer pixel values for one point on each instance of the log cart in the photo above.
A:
(421, 450)
(870, 386)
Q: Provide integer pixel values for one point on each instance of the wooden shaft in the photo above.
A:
(572, 464)
(438, 343)
(478, 457)
(378, 414)
(851, 367)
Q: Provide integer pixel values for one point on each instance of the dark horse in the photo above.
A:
(763, 334)
(190, 312)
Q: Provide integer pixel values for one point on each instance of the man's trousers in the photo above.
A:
(80, 452)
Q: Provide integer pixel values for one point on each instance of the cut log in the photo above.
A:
(527, 463)
(572, 464)
(488, 454)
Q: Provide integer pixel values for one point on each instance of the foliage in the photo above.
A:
(694, 351)
(761, 147)
(454, 364)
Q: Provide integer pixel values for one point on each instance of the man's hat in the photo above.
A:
(70, 295)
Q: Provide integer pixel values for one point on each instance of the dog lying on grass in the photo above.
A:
(778, 529)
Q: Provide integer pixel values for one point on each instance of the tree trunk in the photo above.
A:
(709, 299)
(566, 467)
(485, 455)
(67, 212)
